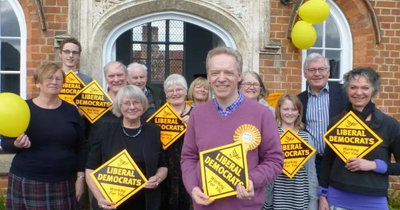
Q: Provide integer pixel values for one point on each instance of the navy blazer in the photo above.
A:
(338, 100)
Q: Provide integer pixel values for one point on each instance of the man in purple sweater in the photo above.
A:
(213, 124)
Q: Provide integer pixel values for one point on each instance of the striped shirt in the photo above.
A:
(317, 117)
(231, 108)
(290, 194)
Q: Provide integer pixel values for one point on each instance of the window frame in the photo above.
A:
(19, 13)
(346, 42)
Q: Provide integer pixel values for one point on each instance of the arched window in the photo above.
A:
(334, 42)
(12, 48)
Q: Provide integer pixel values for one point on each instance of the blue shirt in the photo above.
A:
(231, 108)
(317, 117)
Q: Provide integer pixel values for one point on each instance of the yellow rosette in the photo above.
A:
(249, 134)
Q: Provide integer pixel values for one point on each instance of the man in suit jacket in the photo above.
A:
(155, 95)
(321, 101)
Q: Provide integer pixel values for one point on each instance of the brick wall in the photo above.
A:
(282, 73)
(40, 44)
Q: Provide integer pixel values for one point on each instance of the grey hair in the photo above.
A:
(175, 79)
(314, 57)
(133, 65)
(112, 63)
(228, 51)
(370, 74)
(130, 91)
(264, 92)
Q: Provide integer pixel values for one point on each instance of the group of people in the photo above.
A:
(59, 150)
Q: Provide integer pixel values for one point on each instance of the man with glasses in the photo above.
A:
(321, 101)
(70, 54)
(138, 76)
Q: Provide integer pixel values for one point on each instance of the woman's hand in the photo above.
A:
(79, 188)
(22, 141)
(358, 164)
(153, 182)
(185, 119)
(323, 203)
(104, 204)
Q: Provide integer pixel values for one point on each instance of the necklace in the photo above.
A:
(183, 109)
(132, 136)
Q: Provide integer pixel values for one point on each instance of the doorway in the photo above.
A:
(167, 47)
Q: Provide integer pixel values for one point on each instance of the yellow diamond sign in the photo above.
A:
(119, 178)
(72, 85)
(296, 152)
(223, 168)
(351, 137)
(93, 101)
(170, 123)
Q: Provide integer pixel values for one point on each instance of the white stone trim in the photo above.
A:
(346, 41)
(109, 44)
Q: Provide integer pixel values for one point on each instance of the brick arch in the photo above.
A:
(362, 29)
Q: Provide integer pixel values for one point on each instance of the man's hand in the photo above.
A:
(358, 164)
(200, 198)
(323, 203)
(22, 141)
(243, 194)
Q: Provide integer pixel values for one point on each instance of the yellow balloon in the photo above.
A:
(314, 11)
(303, 35)
(14, 115)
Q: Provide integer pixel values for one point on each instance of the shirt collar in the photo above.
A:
(146, 92)
(326, 88)
(236, 103)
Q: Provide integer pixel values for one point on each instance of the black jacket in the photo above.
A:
(337, 100)
(107, 142)
(370, 183)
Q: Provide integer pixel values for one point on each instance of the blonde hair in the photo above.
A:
(227, 51)
(46, 69)
(297, 104)
(199, 81)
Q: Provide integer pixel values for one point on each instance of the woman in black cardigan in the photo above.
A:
(142, 140)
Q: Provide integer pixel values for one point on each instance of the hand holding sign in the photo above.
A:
(104, 204)
(200, 198)
(244, 194)
(358, 164)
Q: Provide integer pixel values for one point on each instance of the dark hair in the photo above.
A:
(70, 40)
(370, 74)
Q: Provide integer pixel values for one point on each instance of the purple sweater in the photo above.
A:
(208, 129)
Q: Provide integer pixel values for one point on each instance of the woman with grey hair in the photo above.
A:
(175, 87)
(361, 183)
(253, 87)
(142, 140)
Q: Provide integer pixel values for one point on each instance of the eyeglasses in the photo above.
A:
(128, 104)
(320, 70)
(248, 85)
(50, 79)
(179, 91)
(68, 52)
